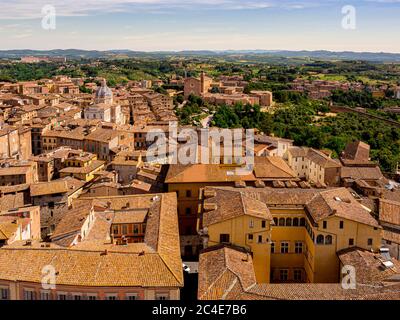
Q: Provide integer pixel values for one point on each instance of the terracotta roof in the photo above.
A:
(366, 173)
(72, 221)
(228, 274)
(340, 203)
(130, 216)
(322, 159)
(230, 204)
(155, 263)
(11, 201)
(219, 269)
(369, 266)
(95, 164)
(356, 150)
(87, 268)
(391, 236)
(298, 151)
(47, 188)
(102, 135)
(162, 234)
(204, 173)
(272, 168)
(277, 196)
(7, 227)
(389, 211)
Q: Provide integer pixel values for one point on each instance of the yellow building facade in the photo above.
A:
(301, 242)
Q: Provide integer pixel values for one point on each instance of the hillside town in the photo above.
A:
(87, 214)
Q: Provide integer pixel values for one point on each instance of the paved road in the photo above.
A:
(205, 123)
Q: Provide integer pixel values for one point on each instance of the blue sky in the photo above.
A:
(153, 25)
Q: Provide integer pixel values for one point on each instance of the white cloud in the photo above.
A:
(24, 9)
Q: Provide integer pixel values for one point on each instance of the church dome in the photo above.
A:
(104, 94)
(103, 91)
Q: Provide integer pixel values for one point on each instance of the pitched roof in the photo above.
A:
(72, 221)
(357, 150)
(154, 263)
(322, 159)
(272, 168)
(366, 173)
(389, 211)
(220, 268)
(87, 268)
(178, 173)
(7, 227)
(228, 274)
(369, 265)
(230, 204)
(340, 203)
(95, 164)
(46, 188)
(130, 216)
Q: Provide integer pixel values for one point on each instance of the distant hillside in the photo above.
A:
(321, 54)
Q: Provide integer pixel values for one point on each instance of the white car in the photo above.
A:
(185, 268)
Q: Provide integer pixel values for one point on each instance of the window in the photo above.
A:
(4, 294)
(45, 295)
(224, 238)
(251, 223)
(283, 274)
(112, 296)
(297, 275)
(131, 296)
(115, 230)
(61, 296)
(92, 297)
(135, 229)
(272, 247)
(302, 222)
(259, 239)
(298, 247)
(341, 224)
(328, 239)
(29, 295)
(324, 225)
(76, 296)
(281, 221)
(188, 194)
(250, 236)
(289, 222)
(188, 231)
(320, 239)
(162, 296)
(263, 224)
(276, 221)
(124, 229)
(284, 247)
(295, 222)
(188, 211)
(351, 242)
(370, 241)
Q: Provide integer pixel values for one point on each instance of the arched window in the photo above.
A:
(302, 222)
(288, 222)
(281, 221)
(295, 222)
(320, 239)
(276, 221)
(328, 239)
